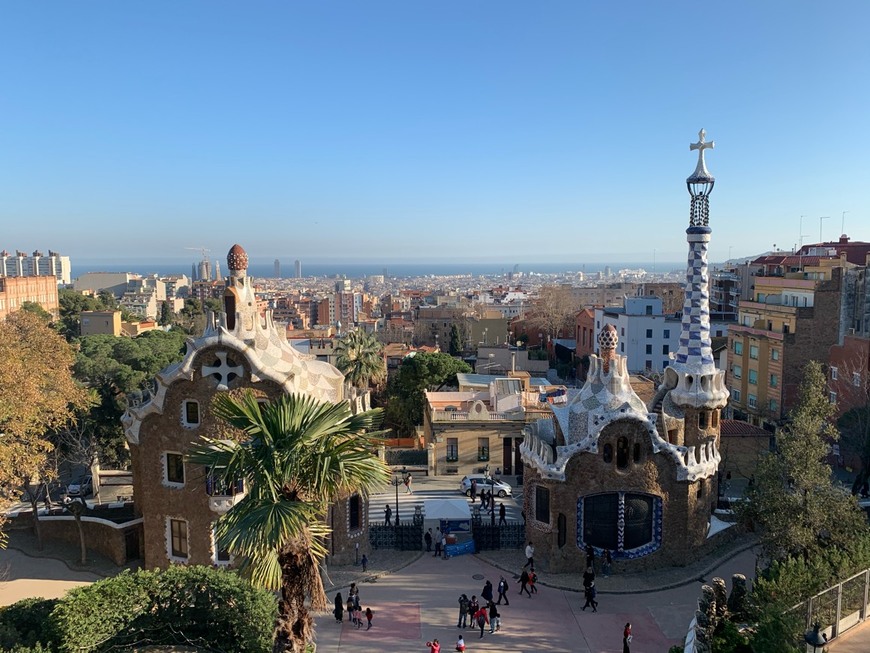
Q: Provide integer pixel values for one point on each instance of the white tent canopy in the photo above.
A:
(452, 509)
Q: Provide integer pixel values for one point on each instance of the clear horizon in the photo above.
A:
(474, 131)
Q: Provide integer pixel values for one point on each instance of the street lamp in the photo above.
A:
(815, 638)
(396, 484)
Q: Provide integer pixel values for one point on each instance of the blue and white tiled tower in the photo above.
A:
(693, 378)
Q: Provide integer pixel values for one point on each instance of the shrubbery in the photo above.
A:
(197, 606)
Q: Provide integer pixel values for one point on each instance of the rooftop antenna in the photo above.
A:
(824, 217)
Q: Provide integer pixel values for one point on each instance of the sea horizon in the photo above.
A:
(362, 269)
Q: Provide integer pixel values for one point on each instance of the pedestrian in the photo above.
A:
(444, 546)
(626, 638)
(437, 543)
(460, 644)
(473, 491)
(483, 498)
(463, 611)
(481, 618)
(350, 607)
(388, 515)
(590, 556)
(369, 615)
(533, 578)
(494, 618)
(502, 514)
(607, 564)
(339, 608)
(502, 591)
(353, 594)
(486, 592)
(524, 583)
(473, 607)
(590, 593)
(357, 617)
(498, 474)
(530, 556)
(588, 577)
(428, 539)
(408, 480)
(365, 562)
(434, 646)
(492, 505)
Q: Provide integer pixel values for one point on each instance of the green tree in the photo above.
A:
(360, 358)
(455, 345)
(38, 310)
(793, 500)
(297, 455)
(71, 304)
(38, 396)
(166, 314)
(406, 391)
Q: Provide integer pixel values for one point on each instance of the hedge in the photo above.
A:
(211, 609)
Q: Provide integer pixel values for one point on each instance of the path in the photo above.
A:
(24, 576)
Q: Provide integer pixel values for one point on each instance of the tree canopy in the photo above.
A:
(800, 511)
(407, 389)
(553, 311)
(360, 358)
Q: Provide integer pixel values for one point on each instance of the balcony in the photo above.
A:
(221, 504)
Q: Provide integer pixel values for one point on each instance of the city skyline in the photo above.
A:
(490, 132)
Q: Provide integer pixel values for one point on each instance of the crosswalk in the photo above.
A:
(408, 503)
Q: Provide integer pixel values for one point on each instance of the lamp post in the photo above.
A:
(396, 484)
(815, 638)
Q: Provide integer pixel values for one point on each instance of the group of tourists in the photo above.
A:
(474, 613)
(355, 613)
(440, 541)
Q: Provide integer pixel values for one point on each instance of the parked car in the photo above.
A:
(82, 486)
(499, 488)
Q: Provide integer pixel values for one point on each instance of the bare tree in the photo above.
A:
(554, 310)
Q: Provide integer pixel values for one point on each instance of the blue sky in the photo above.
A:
(474, 130)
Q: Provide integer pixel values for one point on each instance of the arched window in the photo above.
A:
(635, 453)
(622, 453)
(608, 453)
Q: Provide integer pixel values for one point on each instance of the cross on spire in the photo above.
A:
(701, 145)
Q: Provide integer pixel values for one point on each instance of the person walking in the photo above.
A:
(460, 644)
(357, 617)
(473, 607)
(437, 543)
(369, 616)
(502, 515)
(338, 612)
(353, 594)
(590, 593)
(533, 578)
(408, 480)
(588, 577)
(486, 592)
(494, 618)
(524, 583)
(502, 591)
(530, 556)
(350, 608)
(626, 638)
(607, 563)
(434, 646)
(481, 618)
(463, 611)
(428, 539)
(590, 556)
(388, 515)
(364, 561)
(473, 491)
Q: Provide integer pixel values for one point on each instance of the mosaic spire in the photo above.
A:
(695, 353)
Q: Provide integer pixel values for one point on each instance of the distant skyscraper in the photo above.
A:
(217, 270)
(204, 270)
(277, 269)
(193, 276)
(298, 268)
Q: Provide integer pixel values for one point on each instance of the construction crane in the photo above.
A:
(205, 251)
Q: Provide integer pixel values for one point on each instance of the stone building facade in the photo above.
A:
(612, 472)
(240, 348)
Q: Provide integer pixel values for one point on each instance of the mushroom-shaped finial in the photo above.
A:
(237, 258)
(607, 341)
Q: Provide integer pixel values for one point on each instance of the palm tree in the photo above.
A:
(360, 357)
(296, 455)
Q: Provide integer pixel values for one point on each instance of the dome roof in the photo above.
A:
(237, 258)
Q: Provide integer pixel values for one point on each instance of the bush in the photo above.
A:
(194, 606)
(25, 624)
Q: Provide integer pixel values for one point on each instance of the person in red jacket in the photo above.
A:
(626, 638)
(434, 646)
(481, 618)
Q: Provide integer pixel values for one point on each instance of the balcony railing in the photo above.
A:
(457, 416)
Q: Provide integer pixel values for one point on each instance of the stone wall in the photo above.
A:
(686, 507)
(102, 536)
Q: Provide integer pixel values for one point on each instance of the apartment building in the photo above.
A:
(792, 319)
(36, 265)
(647, 336)
(14, 291)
